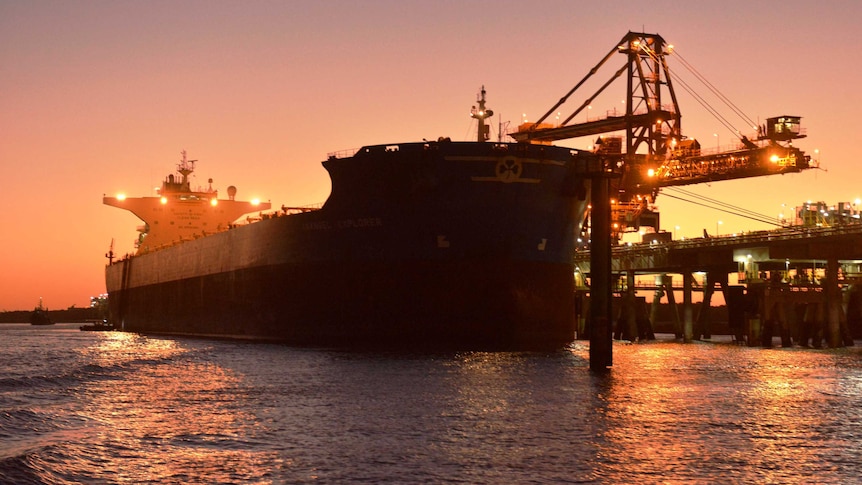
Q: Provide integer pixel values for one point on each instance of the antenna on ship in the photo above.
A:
(484, 132)
(110, 253)
(185, 168)
(502, 127)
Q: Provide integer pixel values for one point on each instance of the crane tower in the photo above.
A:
(648, 137)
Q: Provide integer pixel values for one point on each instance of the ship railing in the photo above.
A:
(249, 219)
(784, 234)
(283, 211)
(347, 153)
(298, 209)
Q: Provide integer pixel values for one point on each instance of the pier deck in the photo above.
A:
(801, 277)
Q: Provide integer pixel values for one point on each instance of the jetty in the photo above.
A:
(799, 283)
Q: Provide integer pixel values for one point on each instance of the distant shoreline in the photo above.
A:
(69, 315)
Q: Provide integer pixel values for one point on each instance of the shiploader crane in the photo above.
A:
(648, 137)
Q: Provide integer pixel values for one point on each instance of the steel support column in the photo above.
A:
(833, 305)
(601, 331)
(688, 327)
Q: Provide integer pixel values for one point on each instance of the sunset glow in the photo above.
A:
(99, 97)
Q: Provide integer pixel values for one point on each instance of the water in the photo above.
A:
(92, 407)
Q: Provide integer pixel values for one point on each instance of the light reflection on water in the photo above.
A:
(158, 414)
(734, 414)
(125, 408)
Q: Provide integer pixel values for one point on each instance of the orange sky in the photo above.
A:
(99, 97)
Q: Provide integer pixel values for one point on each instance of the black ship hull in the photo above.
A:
(456, 245)
(478, 304)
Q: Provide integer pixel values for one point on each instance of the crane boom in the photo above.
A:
(648, 136)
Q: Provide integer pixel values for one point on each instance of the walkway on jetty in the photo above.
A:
(800, 282)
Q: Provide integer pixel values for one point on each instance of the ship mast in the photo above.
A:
(483, 134)
(185, 168)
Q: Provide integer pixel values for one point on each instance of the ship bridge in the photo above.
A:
(180, 213)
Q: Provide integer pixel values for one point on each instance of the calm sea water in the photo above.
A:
(90, 407)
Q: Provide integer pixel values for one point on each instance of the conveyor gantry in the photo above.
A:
(742, 163)
(646, 121)
(594, 127)
(654, 152)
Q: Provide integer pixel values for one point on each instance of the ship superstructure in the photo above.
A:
(179, 213)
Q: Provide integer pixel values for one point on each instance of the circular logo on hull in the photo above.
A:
(509, 170)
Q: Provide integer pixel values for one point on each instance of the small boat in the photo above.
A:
(97, 326)
(39, 316)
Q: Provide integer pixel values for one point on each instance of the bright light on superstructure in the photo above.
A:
(164, 200)
(213, 202)
(121, 196)
(255, 201)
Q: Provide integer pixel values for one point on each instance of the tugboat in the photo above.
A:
(39, 316)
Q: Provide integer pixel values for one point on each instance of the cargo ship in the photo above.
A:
(443, 244)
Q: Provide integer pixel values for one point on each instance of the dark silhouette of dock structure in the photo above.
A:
(801, 283)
